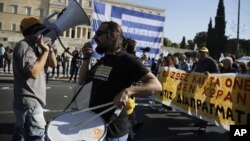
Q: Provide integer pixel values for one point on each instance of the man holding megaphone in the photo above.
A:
(29, 58)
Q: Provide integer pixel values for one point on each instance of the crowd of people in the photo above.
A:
(6, 57)
(116, 77)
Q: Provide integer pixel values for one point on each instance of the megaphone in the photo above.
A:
(71, 16)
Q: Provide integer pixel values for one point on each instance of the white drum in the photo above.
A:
(58, 128)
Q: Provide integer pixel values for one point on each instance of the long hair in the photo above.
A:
(113, 27)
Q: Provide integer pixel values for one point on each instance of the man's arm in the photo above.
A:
(37, 68)
(150, 85)
(83, 71)
(51, 61)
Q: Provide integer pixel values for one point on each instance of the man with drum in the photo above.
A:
(112, 77)
(29, 58)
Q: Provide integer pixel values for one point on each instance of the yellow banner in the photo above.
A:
(223, 99)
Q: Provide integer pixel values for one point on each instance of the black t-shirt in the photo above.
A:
(208, 64)
(111, 76)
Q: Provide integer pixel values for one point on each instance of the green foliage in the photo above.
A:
(220, 27)
(211, 38)
(166, 42)
(200, 39)
(183, 43)
(232, 45)
(175, 45)
(190, 44)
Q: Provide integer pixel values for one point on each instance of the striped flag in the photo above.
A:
(145, 28)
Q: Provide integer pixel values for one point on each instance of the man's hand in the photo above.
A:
(87, 51)
(121, 99)
(41, 44)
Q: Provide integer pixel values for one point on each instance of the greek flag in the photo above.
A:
(145, 28)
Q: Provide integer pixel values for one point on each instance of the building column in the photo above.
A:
(75, 32)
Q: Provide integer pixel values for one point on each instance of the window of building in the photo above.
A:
(1, 7)
(83, 32)
(28, 11)
(14, 9)
(89, 16)
(67, 33)
(89, 33)
(0, 25)
(13, 27)
(73, 32)
(41, 12)
(90, 3)
(78, 32)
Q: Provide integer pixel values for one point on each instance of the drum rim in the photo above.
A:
(101, 138)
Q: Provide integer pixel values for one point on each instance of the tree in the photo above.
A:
(220, 26)
(244, 48)
(175, 45)
(166, 42)
(183, 43)
(210, 43)
(245, 45)
(190, 44)
(200, 39)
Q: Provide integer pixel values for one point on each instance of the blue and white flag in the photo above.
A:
(145, 28)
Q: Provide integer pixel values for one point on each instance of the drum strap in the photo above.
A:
(89, 78)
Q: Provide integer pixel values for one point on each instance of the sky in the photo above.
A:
(188, 17)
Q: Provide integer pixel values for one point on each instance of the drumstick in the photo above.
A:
(92, 118)
(92, 108)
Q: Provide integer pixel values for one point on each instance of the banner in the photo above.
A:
(222, 99)
(145, 28)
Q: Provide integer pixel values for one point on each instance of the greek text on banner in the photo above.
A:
(223, 99)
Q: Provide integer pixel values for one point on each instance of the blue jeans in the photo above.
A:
(123, 138)
(30, 124)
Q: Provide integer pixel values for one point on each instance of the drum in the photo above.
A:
(58, 128)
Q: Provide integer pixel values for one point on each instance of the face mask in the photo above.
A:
(101, 47)
(99, 50)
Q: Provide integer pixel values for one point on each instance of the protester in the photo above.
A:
(243, 68)
(65, 62)
(130, 47)
(53, 68)
(2, 51)
(154, 67)
(235, 64)
(74, 65)
(169, 62)
(227, 66)
(59, 64)
(8, 56)
(113, 76)
(248, 66)
(29, 58)
(205, 64)
(183, 63)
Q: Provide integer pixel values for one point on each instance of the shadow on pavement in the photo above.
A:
(6, 128)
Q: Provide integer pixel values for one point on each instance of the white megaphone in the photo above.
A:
(71, 16)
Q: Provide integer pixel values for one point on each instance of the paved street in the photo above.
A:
(157, 126)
